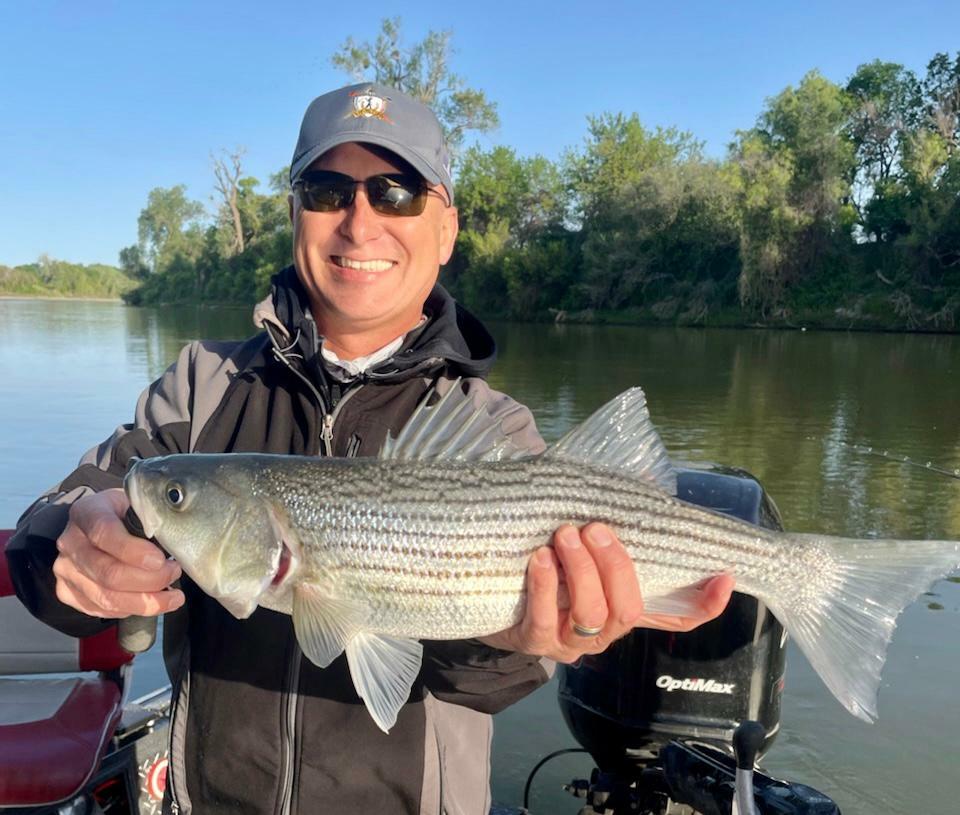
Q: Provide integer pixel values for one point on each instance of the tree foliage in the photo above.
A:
(56, 278)
(840, 206)
(168, 225)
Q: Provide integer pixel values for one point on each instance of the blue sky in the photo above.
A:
(102, 101)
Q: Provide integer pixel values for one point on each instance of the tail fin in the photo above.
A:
(845, 632)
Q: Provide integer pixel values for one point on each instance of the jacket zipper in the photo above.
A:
(175, 756)
(326, 432)
(289, 736)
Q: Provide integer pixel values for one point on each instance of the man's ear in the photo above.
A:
(449, 227)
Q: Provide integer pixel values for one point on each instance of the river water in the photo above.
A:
(797, 409)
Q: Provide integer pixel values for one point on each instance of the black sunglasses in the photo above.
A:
(399, 194)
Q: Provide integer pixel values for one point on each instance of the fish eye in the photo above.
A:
(175, 495)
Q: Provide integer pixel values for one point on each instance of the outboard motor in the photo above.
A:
(658, 711)
(652, 687)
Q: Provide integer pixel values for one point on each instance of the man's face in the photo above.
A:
(367, 274)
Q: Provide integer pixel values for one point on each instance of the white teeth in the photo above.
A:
(363, 265)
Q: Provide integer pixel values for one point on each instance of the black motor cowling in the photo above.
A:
(651, 687)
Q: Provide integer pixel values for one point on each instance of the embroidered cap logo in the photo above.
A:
(367, 104)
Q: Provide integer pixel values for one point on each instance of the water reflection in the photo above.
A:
(789, 407)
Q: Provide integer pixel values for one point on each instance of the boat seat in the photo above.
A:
(54, 730)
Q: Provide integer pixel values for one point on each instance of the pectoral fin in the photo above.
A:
(324, 623)
(383, 670)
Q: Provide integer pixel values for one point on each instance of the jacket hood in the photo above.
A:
(452, 336)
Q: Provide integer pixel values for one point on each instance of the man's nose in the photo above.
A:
(361, 222)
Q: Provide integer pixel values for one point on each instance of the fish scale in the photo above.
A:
(369, 556)
(413, 538)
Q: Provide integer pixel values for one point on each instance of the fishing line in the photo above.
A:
(873, 451)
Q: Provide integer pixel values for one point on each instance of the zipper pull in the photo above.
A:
(326, 433)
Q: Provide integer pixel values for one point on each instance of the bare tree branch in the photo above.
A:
(228, 184)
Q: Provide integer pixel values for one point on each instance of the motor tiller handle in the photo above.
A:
(748, 738)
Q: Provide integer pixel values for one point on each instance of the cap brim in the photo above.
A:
(420, 164)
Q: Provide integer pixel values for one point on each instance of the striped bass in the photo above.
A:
(432, 541)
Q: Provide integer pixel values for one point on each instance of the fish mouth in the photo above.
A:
(148, 517)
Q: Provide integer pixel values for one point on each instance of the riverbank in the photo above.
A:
(60, 297)
(827, 301)
(58, 279)
(802, 322)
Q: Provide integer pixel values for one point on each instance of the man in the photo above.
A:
(355, 335)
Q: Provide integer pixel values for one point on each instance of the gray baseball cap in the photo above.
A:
(374, 114)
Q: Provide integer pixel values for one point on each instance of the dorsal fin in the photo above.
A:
(621, 436)
(452, 428)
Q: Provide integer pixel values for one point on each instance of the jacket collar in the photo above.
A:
(452, 337)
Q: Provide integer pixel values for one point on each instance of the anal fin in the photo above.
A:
(683, 602)
(383, 670)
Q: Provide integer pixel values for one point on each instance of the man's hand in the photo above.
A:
(104, 571)
(604, 597)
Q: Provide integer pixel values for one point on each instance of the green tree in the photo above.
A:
(886, 109)
(421, 70)
(513, 254)
(168, 225)
(132, 263)
(618, 150)
(796, 169)
(809, 123)
(628, 192)
(49, 277)
(494, 186)
(941, 89)
(770, 224)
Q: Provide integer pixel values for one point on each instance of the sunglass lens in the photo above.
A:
(389, 194)
(326, 192)
(396, 194)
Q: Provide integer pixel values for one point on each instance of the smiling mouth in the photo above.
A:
(376, 265)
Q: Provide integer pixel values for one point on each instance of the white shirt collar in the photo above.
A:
(345, 369)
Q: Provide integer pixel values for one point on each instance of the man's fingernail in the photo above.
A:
(153, 560)
(543, 557)
(568, 536)
(177, 601)
(598, 536)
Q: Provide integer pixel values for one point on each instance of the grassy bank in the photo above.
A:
(55, 278)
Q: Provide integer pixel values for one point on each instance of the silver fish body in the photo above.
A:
(369, 556)
(440, 550)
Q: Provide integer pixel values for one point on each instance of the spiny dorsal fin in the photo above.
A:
(453, 428)
(621, 436)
